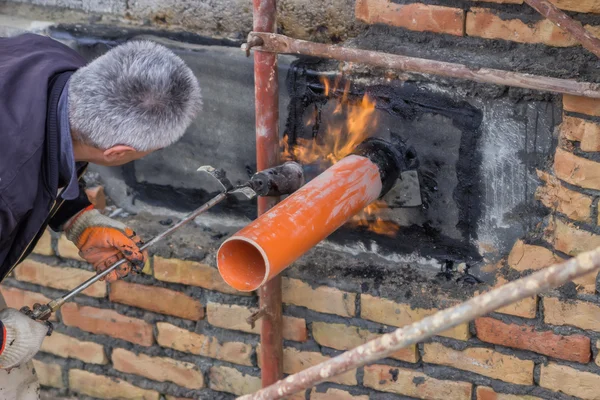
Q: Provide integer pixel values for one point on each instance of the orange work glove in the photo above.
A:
(102, 241)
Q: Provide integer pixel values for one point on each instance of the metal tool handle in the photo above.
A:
(45, 310)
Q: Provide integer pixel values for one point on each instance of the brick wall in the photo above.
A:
(178, 332)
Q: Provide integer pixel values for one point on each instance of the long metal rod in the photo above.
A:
(266, 90)
(271, 42)
(57, 303)
(387, 344)
(562, 20)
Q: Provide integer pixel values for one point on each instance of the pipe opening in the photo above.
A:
(242, 264)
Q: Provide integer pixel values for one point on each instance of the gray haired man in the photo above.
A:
(56, 115)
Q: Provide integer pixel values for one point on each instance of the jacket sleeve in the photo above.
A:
(8, 222)
(69, 208)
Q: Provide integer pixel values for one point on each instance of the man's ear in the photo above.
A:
(117, 153)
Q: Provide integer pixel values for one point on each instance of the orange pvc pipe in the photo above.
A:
(268, 245)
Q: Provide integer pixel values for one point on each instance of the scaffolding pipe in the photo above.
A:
(389, 343)
(266, 89)
(270, 42)
(562, 20)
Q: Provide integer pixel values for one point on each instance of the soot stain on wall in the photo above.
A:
(444, 227)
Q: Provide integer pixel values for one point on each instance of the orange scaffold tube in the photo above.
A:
(277, 238)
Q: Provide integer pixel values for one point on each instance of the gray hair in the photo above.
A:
(138, 94)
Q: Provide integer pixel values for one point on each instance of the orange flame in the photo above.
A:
(339, 140)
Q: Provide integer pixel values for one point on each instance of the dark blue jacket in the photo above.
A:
(33, 71)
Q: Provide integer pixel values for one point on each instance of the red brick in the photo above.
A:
(295, 360)
(485, 23)
(560, 378)
(104, 387)
(159, 300)
(69, 347)
(482, 361)
(576, 313)
(49, 374)
(322, 299)
(576, 170)
(179, 339)
(486, 393)
(234, 317)
(582, 105)
(67, 249)
(413, 383)
(335, 394)
(159, 369)
(569, 239)
(230, 380)
(44, 245)
(191, 273)
(346, 337)
(416, 16)
(584, 6)
(107, 322)
(583, 131)
(554, 195)
(17, 298)
(97, 197)
(572, 348)
(63, 278)
(391, 313)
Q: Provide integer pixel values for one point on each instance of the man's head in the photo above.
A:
(136, 98)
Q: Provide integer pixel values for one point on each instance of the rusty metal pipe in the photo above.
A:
(285, 45)
(551, 277)
(562, 20)
(266, 89)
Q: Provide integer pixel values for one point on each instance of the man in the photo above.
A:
(56, 115)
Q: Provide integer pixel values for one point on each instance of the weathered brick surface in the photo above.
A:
(104, 387)
(526, 308)
(555, 196)
(180, 339)
(63, 278)
(234, 317)
(525, 257)
(482, 361)
(322, 299)
(107, 322)
(486, 393)
(415, 16)
(161, 369)
(295, 360)
(67, 249)
(582, 105)
(581, 130)
(49, 374)
(569, 239)
(346, 337)
(500, 1)
(572, 348)
(577, 313)
(159, 300)
(395, 314)
(70, 347)
(415, 384)
(576, 170)
(584, 6)
(44, 245)
(230, 380)
(485, 23)
(560, 378)
(335, 394)
(191, 273)
(17, 298)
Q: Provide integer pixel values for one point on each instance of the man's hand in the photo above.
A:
(103, 241)
(21, 338)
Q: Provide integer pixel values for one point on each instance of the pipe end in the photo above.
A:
(242, 264)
